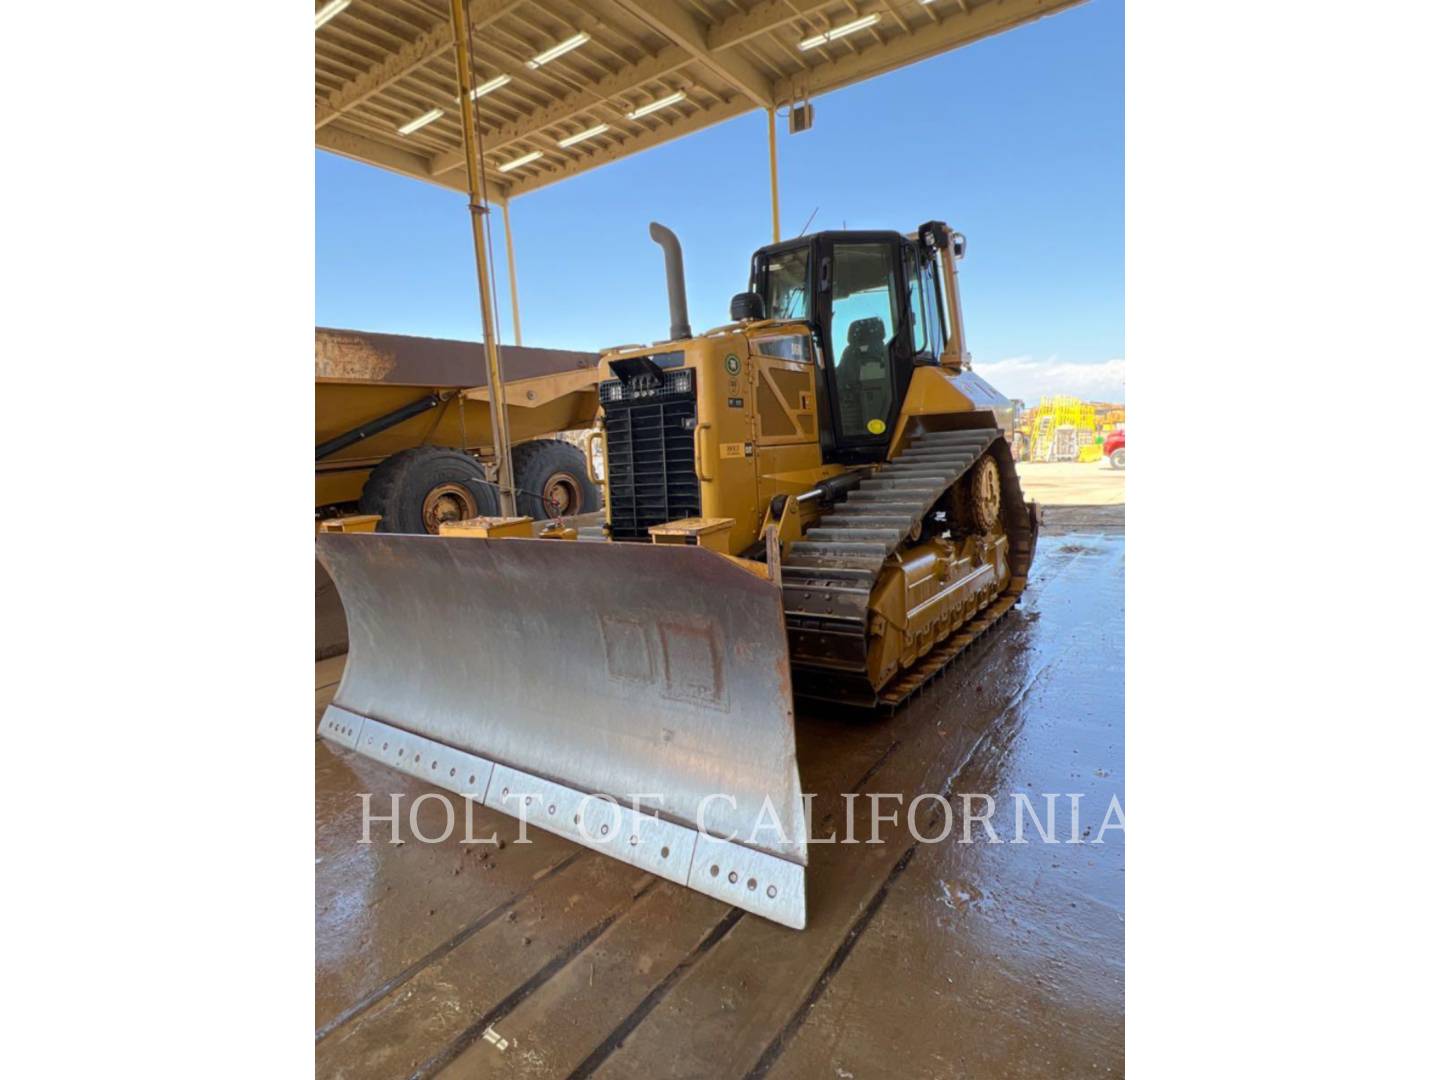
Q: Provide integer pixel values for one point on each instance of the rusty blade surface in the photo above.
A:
(627, 670)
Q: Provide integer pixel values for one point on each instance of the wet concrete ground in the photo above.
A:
(920, 960)
(1052, 483)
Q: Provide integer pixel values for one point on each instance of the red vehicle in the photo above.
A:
(1114, 448)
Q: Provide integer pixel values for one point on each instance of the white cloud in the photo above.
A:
(1031, 379)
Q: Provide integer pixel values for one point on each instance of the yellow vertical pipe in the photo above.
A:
(955, 351)
(510, 258)
(499, 419)
(774, 183)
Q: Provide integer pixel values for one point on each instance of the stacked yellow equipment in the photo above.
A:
(1060, 428)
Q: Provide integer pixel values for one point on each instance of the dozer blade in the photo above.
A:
(570, 684)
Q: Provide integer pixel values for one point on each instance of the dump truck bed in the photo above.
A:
(361, 376)
(546, 959)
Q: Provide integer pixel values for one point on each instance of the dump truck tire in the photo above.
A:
(551, 480)
(415, 490)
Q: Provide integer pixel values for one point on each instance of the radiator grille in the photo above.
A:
(650, 462)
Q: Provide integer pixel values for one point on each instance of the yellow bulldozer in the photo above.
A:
(812, 500)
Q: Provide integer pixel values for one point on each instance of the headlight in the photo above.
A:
(639, 387)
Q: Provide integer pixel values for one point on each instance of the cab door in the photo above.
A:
(863, 311)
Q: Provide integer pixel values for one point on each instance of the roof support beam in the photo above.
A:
(573, 104)
(949, 33)
(683, 28)
(400, 63)
(723, 35)
(696, 121)
(341, 140)
(761, 19)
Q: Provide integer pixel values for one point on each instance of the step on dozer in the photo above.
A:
(820, 493)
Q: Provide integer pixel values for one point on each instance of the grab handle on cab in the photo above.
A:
(700, 452)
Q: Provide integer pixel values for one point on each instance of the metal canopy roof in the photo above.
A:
(381, 65)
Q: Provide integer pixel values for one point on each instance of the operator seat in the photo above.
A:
(864, 375)
(866, 346)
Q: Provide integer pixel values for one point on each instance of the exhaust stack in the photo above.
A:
(674, 280)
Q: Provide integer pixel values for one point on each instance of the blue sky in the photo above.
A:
(1017, 140)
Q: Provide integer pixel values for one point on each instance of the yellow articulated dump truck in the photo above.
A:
(815, 499)
(402, 429)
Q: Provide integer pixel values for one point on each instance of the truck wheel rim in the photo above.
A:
(447, 502)
(562, 495)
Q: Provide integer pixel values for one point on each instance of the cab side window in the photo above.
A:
(787, 284)
(919, 313)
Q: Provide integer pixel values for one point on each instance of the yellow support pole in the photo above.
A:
(499, 419)
(774, 183)
(510, 258)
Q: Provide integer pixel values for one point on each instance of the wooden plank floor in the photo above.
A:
(544, 959)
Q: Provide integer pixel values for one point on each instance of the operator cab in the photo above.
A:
(875, 302)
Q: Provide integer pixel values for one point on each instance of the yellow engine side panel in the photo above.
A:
(725, 435)
(757, 429)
